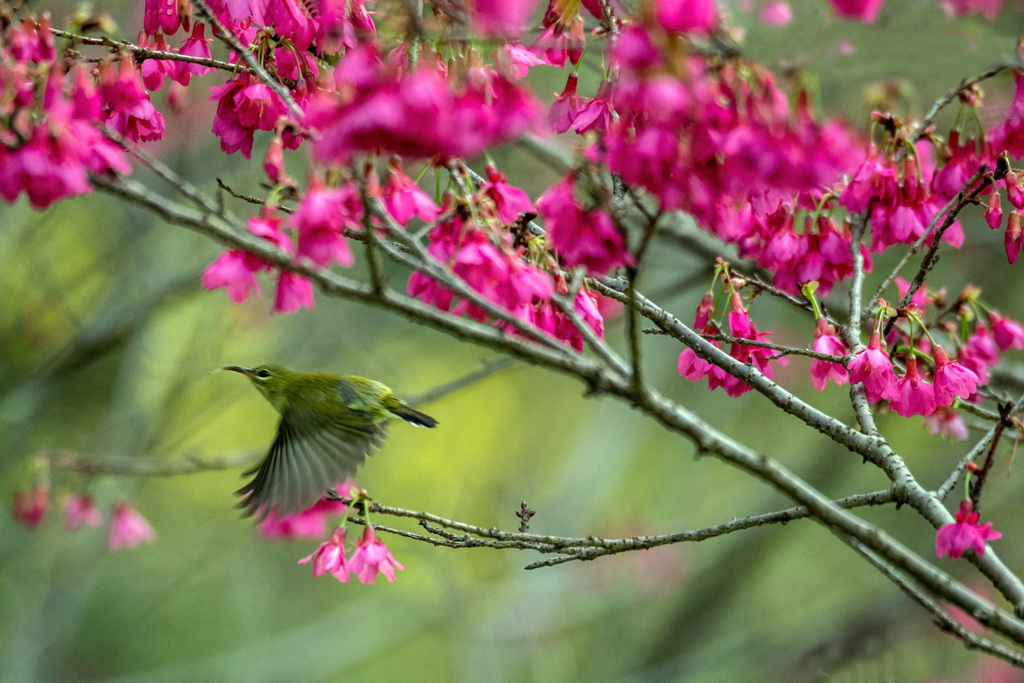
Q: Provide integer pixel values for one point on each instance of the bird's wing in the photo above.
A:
(311, 453)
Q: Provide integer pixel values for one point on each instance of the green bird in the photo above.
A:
(329, 424)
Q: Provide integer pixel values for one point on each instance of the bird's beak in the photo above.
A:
(237, 368)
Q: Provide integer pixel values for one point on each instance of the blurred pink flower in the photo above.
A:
(80, 509)
(30, 506)
(128, 529)
(865, 10)
(776, 13)
(310, 523)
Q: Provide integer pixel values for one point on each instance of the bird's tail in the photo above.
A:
(413, 416)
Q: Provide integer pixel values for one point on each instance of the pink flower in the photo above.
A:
(236, 270)
(293, 292)
(776, 13)
(330, 557)
(509, 202)
(1007, 333)
(865, 10)
(196, 45)
(565, 107)
(1008, 134)
(872, 367)
(319, 219)
(994, 211)
(129, 110)
(914, 396)
(310, 523)
(1012, 237)
(988, 8)
(693, 367)
(502, 18)
(951, 379)
(513, 61)
(80, 509)
(582, 238)
(404, 199)
(947, 422)
(128, 529)
(160, 15)
(956, 538)
(30, 506)
(687, 16)
(596, 114)
(826, 341)
(372, 557)
(244, 105)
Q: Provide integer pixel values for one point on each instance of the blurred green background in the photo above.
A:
(107, 343)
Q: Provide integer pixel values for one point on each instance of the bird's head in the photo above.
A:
(274, 382)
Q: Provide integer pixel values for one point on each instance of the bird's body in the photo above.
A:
(329, 425)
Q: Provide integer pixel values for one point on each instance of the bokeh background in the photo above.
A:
(107, 343)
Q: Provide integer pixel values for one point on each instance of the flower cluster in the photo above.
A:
(432, 112)
(128, 529)
(504, 266)
(51, 141)
(370, 558)
(694, 368)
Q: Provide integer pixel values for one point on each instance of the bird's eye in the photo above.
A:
(262, 374)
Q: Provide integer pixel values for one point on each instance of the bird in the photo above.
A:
(329, 425)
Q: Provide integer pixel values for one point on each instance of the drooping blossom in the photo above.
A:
(235, 270)
(508, 201)
(513, 61)
(310, 523)
(987, 8)
(403, 199)
(372, 557)
(946, 421)
(129, 110)
(595, 114)
(687, 16)
(128, 529)
(79, 510)
(1013, 236)
(914, 395)
(161, 16)
(826, 341)
(951, 379)
(294, 291)
(30, 506)
(196, 45)
(501, 18)
(1008, 135)
(872, 367)
(994, 211)
(565, 107)
(244, 105)
(1007, 333)
(966, 532)
(776, 13)
(329, 558)
(320, 219)
(864, 10)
